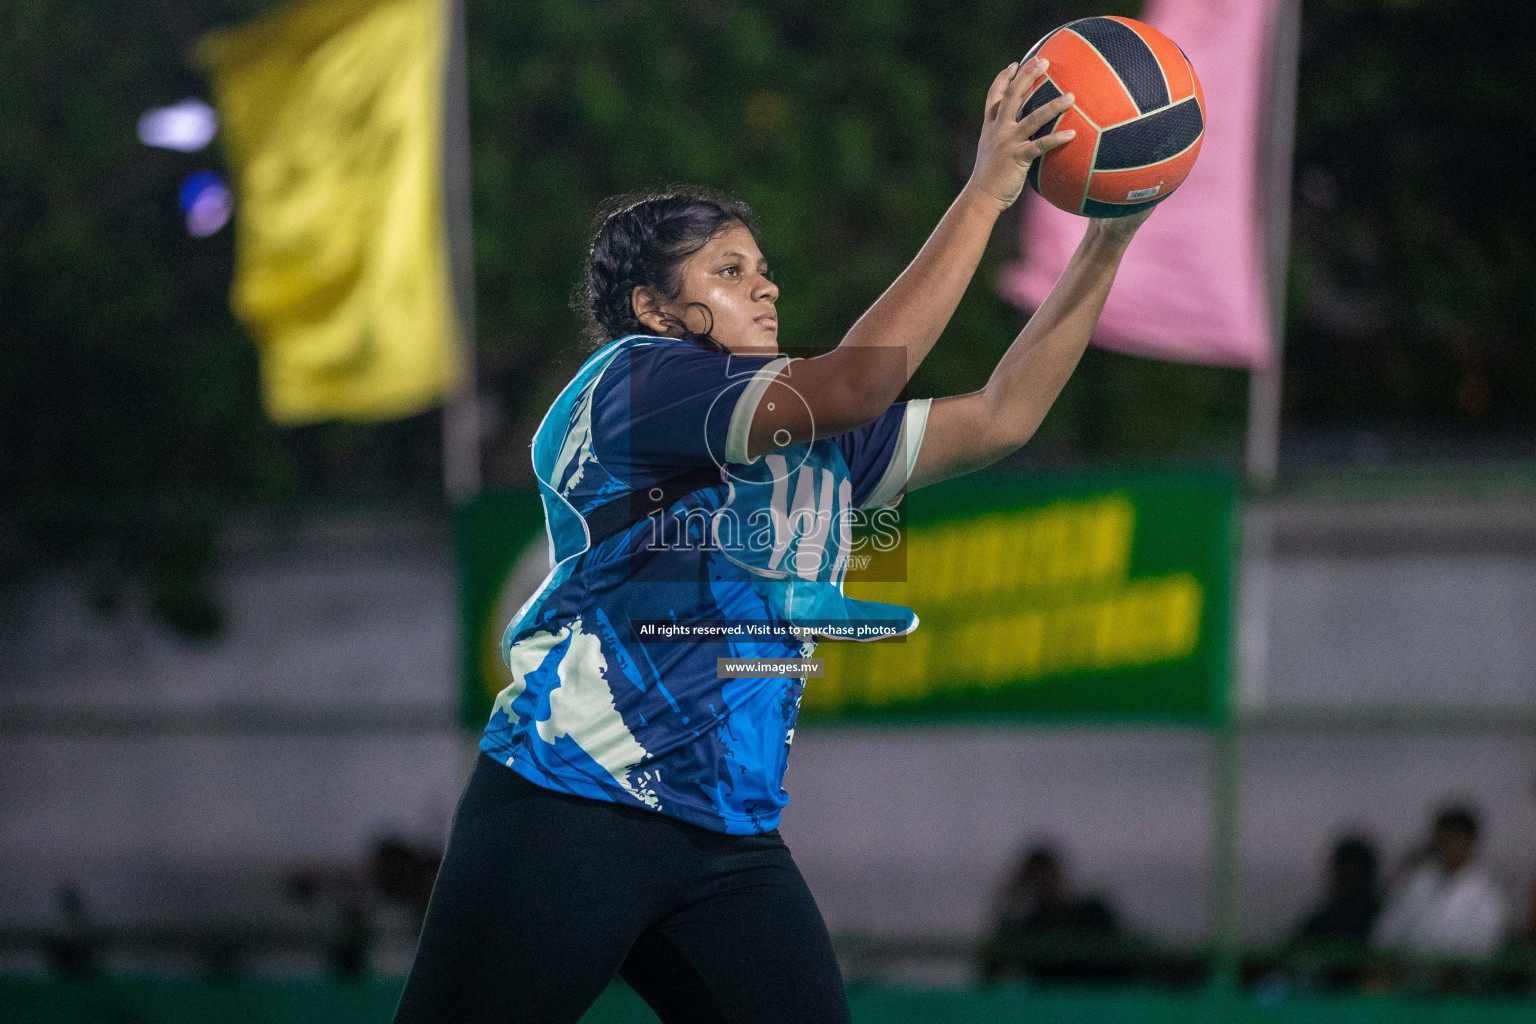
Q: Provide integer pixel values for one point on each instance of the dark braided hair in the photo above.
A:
(641, 239)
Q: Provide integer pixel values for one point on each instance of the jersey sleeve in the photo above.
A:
(881, 454)
(669, 407)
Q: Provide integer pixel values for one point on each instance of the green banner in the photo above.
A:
(503, 557)
(1082, 597)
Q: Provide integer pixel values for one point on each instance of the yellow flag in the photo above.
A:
(332, 120)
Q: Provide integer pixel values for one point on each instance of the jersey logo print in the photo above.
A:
(815, 523)
(581, 705)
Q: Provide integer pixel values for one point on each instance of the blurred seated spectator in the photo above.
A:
(1449, 907)
(1045, 933)
(1352, 901)
(1329, 946)
(74, 952)
(398, 872)
(404, 873)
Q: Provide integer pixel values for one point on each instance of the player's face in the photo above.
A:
(730, 276)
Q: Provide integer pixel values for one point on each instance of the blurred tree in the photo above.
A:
(848, 127)
(130, 420)
(129, 414)
(127, 392)
(1412, 301)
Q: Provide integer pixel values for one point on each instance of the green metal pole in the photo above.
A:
(1228, 965)
(461, 417)
(1262, 464)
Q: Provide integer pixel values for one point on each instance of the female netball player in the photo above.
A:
(622, 817)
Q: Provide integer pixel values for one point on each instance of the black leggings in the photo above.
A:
(543, 897)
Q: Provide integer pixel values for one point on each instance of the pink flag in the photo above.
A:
(1192, 286)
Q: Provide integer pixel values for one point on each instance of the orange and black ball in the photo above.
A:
(1138, 111)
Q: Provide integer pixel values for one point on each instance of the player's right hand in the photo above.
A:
(1005, 151)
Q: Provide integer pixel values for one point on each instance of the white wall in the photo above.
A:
(172, 803)
(910, 832)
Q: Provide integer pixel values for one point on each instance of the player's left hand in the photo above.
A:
(1005, 150)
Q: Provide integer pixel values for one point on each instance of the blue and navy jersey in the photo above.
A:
(596, 710)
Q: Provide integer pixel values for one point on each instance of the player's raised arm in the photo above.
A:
(967, 432)
(858, 380)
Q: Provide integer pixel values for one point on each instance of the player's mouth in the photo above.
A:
(769, 320)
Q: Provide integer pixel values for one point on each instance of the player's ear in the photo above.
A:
(649, 309)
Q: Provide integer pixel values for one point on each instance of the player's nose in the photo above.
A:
(765, 288)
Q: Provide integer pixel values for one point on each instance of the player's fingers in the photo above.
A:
(1023, 82)
(999, 86)
(1043, 114)
(1045, 143)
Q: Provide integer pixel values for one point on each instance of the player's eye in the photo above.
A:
(767, 272)
(733, 270)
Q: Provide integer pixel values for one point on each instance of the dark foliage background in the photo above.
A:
(1413, 271)
(130, 423)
